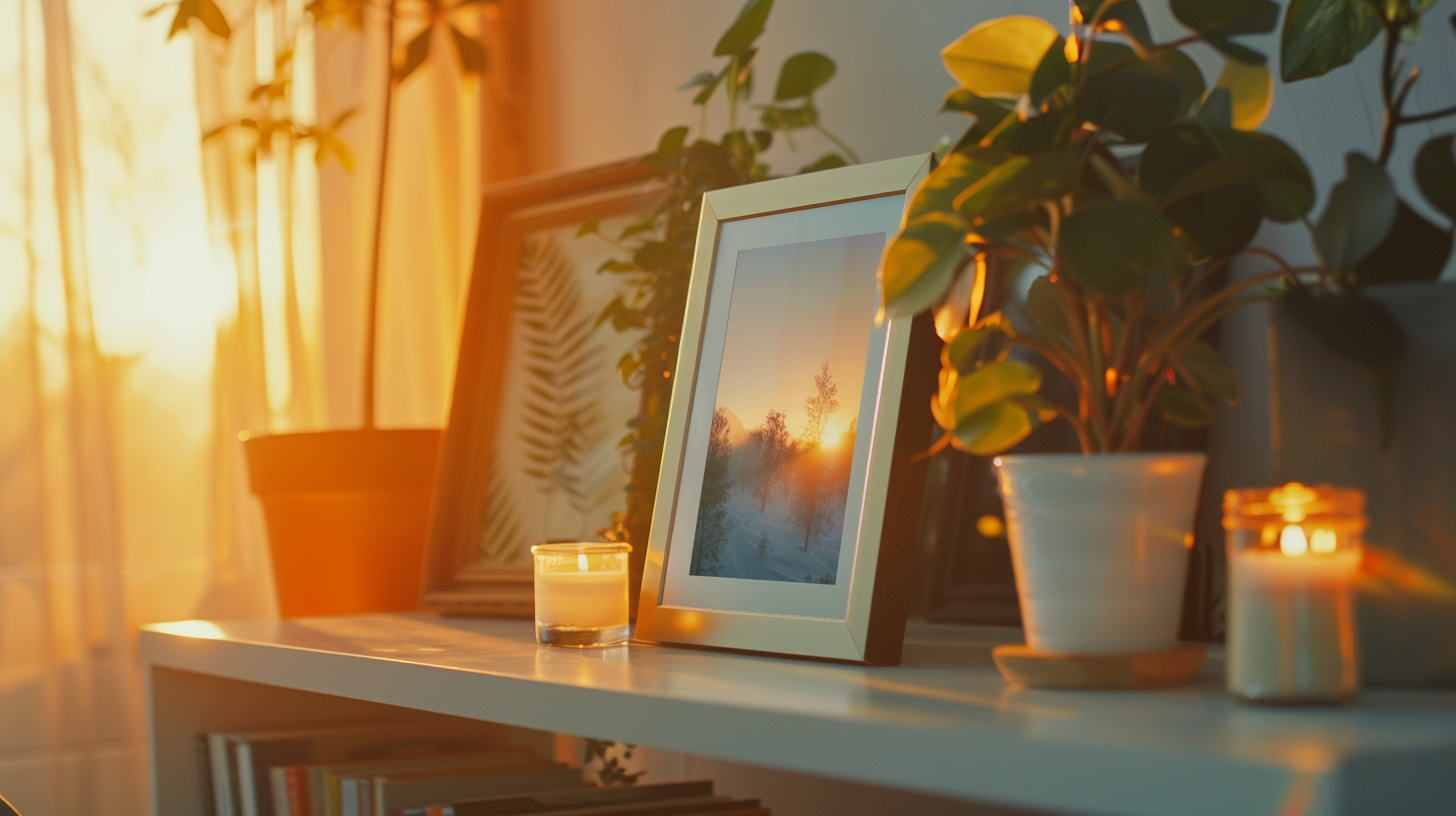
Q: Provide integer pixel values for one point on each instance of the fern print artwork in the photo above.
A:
(557, 471)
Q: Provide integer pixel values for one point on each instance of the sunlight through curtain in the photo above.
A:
(160, 293)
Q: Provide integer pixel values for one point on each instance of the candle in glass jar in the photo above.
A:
(1294, 556)
(581, 594)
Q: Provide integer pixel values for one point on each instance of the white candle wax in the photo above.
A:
(581, 599)
(1291, 625)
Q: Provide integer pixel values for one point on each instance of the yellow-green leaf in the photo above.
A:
(992, 429)
(1252, 90)
(998, 57)
(993, 383)
(921, 262)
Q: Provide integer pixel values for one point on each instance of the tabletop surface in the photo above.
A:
(942, 722)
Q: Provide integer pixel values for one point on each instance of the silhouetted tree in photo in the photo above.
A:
(772, 444)
(713, 522)
(820, 406)
(812, 493)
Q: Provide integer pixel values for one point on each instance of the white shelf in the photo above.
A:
(942, 723)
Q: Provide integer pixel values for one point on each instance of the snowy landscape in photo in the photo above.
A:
(782, 440)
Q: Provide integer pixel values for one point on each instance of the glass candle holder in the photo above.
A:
(1294, 557)
(581, 594)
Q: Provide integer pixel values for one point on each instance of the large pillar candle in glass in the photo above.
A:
(1294, 556)
(581, 594)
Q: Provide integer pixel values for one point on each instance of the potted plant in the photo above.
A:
(1098, 196)
(347, 511)
(1364, 353)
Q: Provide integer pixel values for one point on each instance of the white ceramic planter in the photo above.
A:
(1100, 547)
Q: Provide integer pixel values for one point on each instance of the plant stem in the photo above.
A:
(1387, 94)
(371, 329)
(1427, 117)
(848, 152)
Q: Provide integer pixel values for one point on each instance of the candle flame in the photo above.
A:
(1292, 540)
(1323, 541)
(581, 563)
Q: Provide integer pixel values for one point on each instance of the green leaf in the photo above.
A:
(1038, 134)
(1321, 35)
(1051, 73)
(1110, 246)
(960, 352)
(993, 382)
(802, 75)
(828, 161)
(1019, 182)
(746, 28)
(998, 57)
(1209, 372)
(1217, 110)
(1435, 170)
(699, 80)
(1216, 21)
(953, 175)
(1215, 222)
(1415, 251)
(988, 112)
(1038, 406)
(1141, 97)
(592, 227)
(921, 262)
(993, 429)
(415, 54)
(1358, 216)
(671, 141)
(1043, 306)
(804, 116)
(1284, 183)
(1182, 406)
(1121, 15)
(472, 54)
(702, 97)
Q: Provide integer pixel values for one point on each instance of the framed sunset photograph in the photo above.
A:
(789, 493)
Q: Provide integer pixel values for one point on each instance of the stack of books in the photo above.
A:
(668, 799)
(376, 769)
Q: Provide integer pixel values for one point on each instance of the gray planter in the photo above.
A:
(1325, 430)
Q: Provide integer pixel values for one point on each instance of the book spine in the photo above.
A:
(222, 794)
(204, 774)
(348, 798)
(278, 788)
(299, 802)
(247, 783)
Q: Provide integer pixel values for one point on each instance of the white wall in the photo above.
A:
(608, 73)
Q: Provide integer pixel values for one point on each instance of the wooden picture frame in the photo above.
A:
(795, 259)
(467, 571)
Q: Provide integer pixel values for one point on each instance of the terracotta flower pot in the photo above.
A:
(347, 515)
(1100, 547)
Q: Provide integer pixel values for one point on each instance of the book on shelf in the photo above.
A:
(390, 792)
(663, 799)
(321, 788)
(239, 763)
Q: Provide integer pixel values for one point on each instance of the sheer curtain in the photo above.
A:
(159, 294)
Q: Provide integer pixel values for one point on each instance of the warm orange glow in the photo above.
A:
(1072, 51)
(990, 526)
